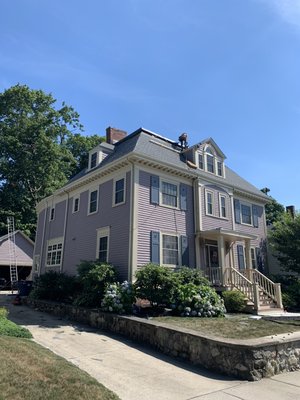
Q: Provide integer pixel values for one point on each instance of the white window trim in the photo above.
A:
(116, 179)
(220, 206)
(103, 232)
(50, 214)
(216, 159)
(165, 180)
(248, 205)
(255, 258)
(73, 205)
(89, 200)
(206, 203)
(161, 249)
(51, 242)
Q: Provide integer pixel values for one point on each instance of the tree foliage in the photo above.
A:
(285, 240)
(80, 146)
(40, 149)
(274, 210)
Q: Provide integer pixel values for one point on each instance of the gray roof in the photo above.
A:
(146, 143)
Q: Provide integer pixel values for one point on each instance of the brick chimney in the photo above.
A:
(113, 135)
(291, 210)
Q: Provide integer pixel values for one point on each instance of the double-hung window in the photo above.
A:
(223, 211)
(170, 250)
(76, 204)
(102, 249)
(93, 160)
(209, 202)
(93, 201)
(119, 191)
(169, 193)
(246, 214)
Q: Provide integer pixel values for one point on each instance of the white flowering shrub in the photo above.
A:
(118, 298)
(197, 301)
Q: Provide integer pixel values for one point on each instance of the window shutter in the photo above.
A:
(183, 197)
(237, 211)
(184, 250)
(154, 189)
(240, 254)
(258, 259)
(154, 245)
(255, 215)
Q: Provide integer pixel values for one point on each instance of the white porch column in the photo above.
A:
(221, 250)
(248, 258)
(197, 248)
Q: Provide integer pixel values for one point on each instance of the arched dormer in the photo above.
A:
(210, 158)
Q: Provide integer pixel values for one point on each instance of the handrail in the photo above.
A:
(234, 278)
(265, 284)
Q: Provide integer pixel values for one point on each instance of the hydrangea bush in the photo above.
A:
(118, 298)
(197, 301)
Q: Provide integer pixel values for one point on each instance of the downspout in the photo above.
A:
(197, 217)
(132, 226)
(64, 231)
(43, 239)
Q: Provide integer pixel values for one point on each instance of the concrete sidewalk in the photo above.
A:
(137, 372)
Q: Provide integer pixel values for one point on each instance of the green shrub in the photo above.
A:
(54, 286)
(3, 312)
(197, 301)
(290, 287)
(234, 301)
(94, 277)
(155, 283)
(118, 298)
(9, 328)
(190, 275)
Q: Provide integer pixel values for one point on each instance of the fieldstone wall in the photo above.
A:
(245, 359)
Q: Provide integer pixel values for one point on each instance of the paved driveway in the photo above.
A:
(137, 372)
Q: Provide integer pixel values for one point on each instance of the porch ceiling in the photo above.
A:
(227, 234)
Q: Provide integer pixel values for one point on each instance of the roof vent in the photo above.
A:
(183, 140)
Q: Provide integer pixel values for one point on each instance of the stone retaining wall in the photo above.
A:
(245, 359)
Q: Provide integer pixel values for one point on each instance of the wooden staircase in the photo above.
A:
(262, 294)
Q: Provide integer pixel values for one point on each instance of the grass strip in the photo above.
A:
(236, 327)
(29, 371)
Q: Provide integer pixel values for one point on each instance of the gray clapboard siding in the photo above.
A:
(152, 217)
(209, 222)
(81, 232)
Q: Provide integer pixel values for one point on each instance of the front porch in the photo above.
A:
(227, 270)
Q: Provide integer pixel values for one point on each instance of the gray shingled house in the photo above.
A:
(145, 198)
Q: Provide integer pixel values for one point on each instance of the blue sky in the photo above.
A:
(229, 69)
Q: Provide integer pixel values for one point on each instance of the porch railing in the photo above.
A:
(214, 275)
(233, 278)
(265, 284)
(249, 281)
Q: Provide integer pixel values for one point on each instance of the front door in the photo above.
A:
(212, 256)
(212, 264)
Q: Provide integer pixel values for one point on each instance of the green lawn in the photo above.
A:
(29, 371)
(235, 327)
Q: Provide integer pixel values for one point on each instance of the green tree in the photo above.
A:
(274, 210)
(80, 146)
(34, 157)
(285, 240)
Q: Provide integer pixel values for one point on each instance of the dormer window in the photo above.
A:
(93, 160)
(210, 160)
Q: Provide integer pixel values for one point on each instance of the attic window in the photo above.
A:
(93, 160)
(209, 161)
